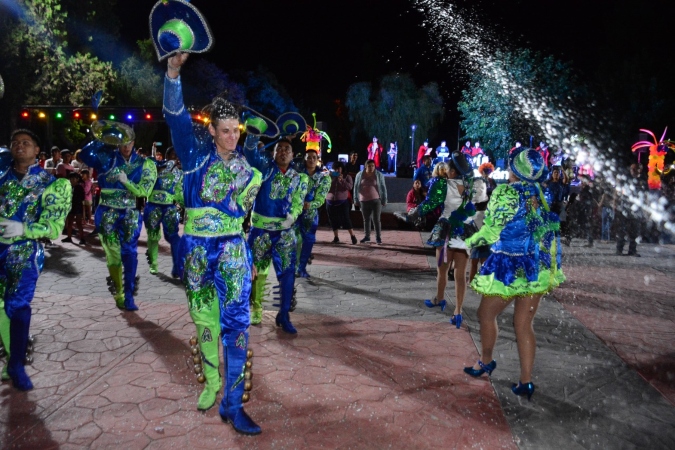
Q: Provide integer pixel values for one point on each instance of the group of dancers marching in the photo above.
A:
(224, 272)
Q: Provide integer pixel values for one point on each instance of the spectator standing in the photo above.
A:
(352, 167)
(76, 210)
(77, 163)
(424, 173)
(370, 193)
(88, 187)
(64, 168)
(337, 202)
(51, 163)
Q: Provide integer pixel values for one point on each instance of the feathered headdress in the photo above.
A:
(657, 154)
(312, 137)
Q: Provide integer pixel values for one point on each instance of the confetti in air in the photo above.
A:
(460, 41)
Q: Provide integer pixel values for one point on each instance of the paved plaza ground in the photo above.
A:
(371, 367)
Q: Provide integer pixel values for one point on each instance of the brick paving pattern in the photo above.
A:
(371, 367)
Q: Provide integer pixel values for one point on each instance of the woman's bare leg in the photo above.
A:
(441, 276)
(460, 258)
(525, 309)
(488, 311)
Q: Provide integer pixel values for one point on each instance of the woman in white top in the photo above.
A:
(451, 229)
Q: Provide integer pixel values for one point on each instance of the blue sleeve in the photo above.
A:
(416, 176)
(256, 157)
(98, 156)
(188, 149)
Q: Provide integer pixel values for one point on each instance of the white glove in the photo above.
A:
(11, 228)
(288, 222)
(122, 177)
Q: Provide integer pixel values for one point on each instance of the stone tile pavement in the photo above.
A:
(371, 367)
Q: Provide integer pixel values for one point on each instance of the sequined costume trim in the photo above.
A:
(210, 222)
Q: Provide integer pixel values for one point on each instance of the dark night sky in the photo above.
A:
(318, 48)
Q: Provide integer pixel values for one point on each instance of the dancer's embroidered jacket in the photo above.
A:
(39, 200)
(525, 257)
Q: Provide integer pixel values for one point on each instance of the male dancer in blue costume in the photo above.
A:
(272, 238)
(161, 211)
(33, 205)
(219, 188)
(123, 176)
(308, 222)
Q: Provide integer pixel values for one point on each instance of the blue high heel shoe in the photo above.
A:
(456, 320)
(523, 389)
(483, 369)
(431, 304)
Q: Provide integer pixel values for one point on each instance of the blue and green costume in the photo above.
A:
(318, 185)
(161, 211)
(456, 214)
(525, 258)
(117, 219)
(272, 238)
(215, 260)
(41, 203)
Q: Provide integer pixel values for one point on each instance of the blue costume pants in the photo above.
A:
(218, 269)
(305, 230)
(119, 232)
(166, 216)
(20, 265)
(277, 247)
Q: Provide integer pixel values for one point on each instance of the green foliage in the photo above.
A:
(513, 96)
(389, 110)
(75, 132)
(35, 50)
(139, 83)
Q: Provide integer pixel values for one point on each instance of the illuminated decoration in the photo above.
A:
(59, 115)
(94, 116)
(148, 116)
(312, 137)
(25, 115)
(42, 115)
(130, 117)
(657, 154)
(76, 115)
(111, 117)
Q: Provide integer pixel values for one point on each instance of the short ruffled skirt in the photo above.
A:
(440, 232)
(481, 252)
(515, 276)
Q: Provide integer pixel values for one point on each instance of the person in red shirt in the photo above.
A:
(544, 152)
(374, 152)
(421, 152)
(466, 149)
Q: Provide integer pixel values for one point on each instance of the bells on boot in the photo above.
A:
(277, 298)
(196, 358)
(29, 350)
(248, 376)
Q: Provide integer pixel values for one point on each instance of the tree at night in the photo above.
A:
(389, 110)
(495, 115)
(39, 66)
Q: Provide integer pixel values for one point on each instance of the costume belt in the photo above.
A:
(267, 223)
(209, 222)
(118, 198)
(161, 198)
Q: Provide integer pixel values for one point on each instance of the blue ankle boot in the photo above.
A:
(18, 343)
(238, 383)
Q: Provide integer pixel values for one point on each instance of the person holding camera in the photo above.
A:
(337, 201)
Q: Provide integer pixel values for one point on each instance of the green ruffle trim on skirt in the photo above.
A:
(488, 286)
